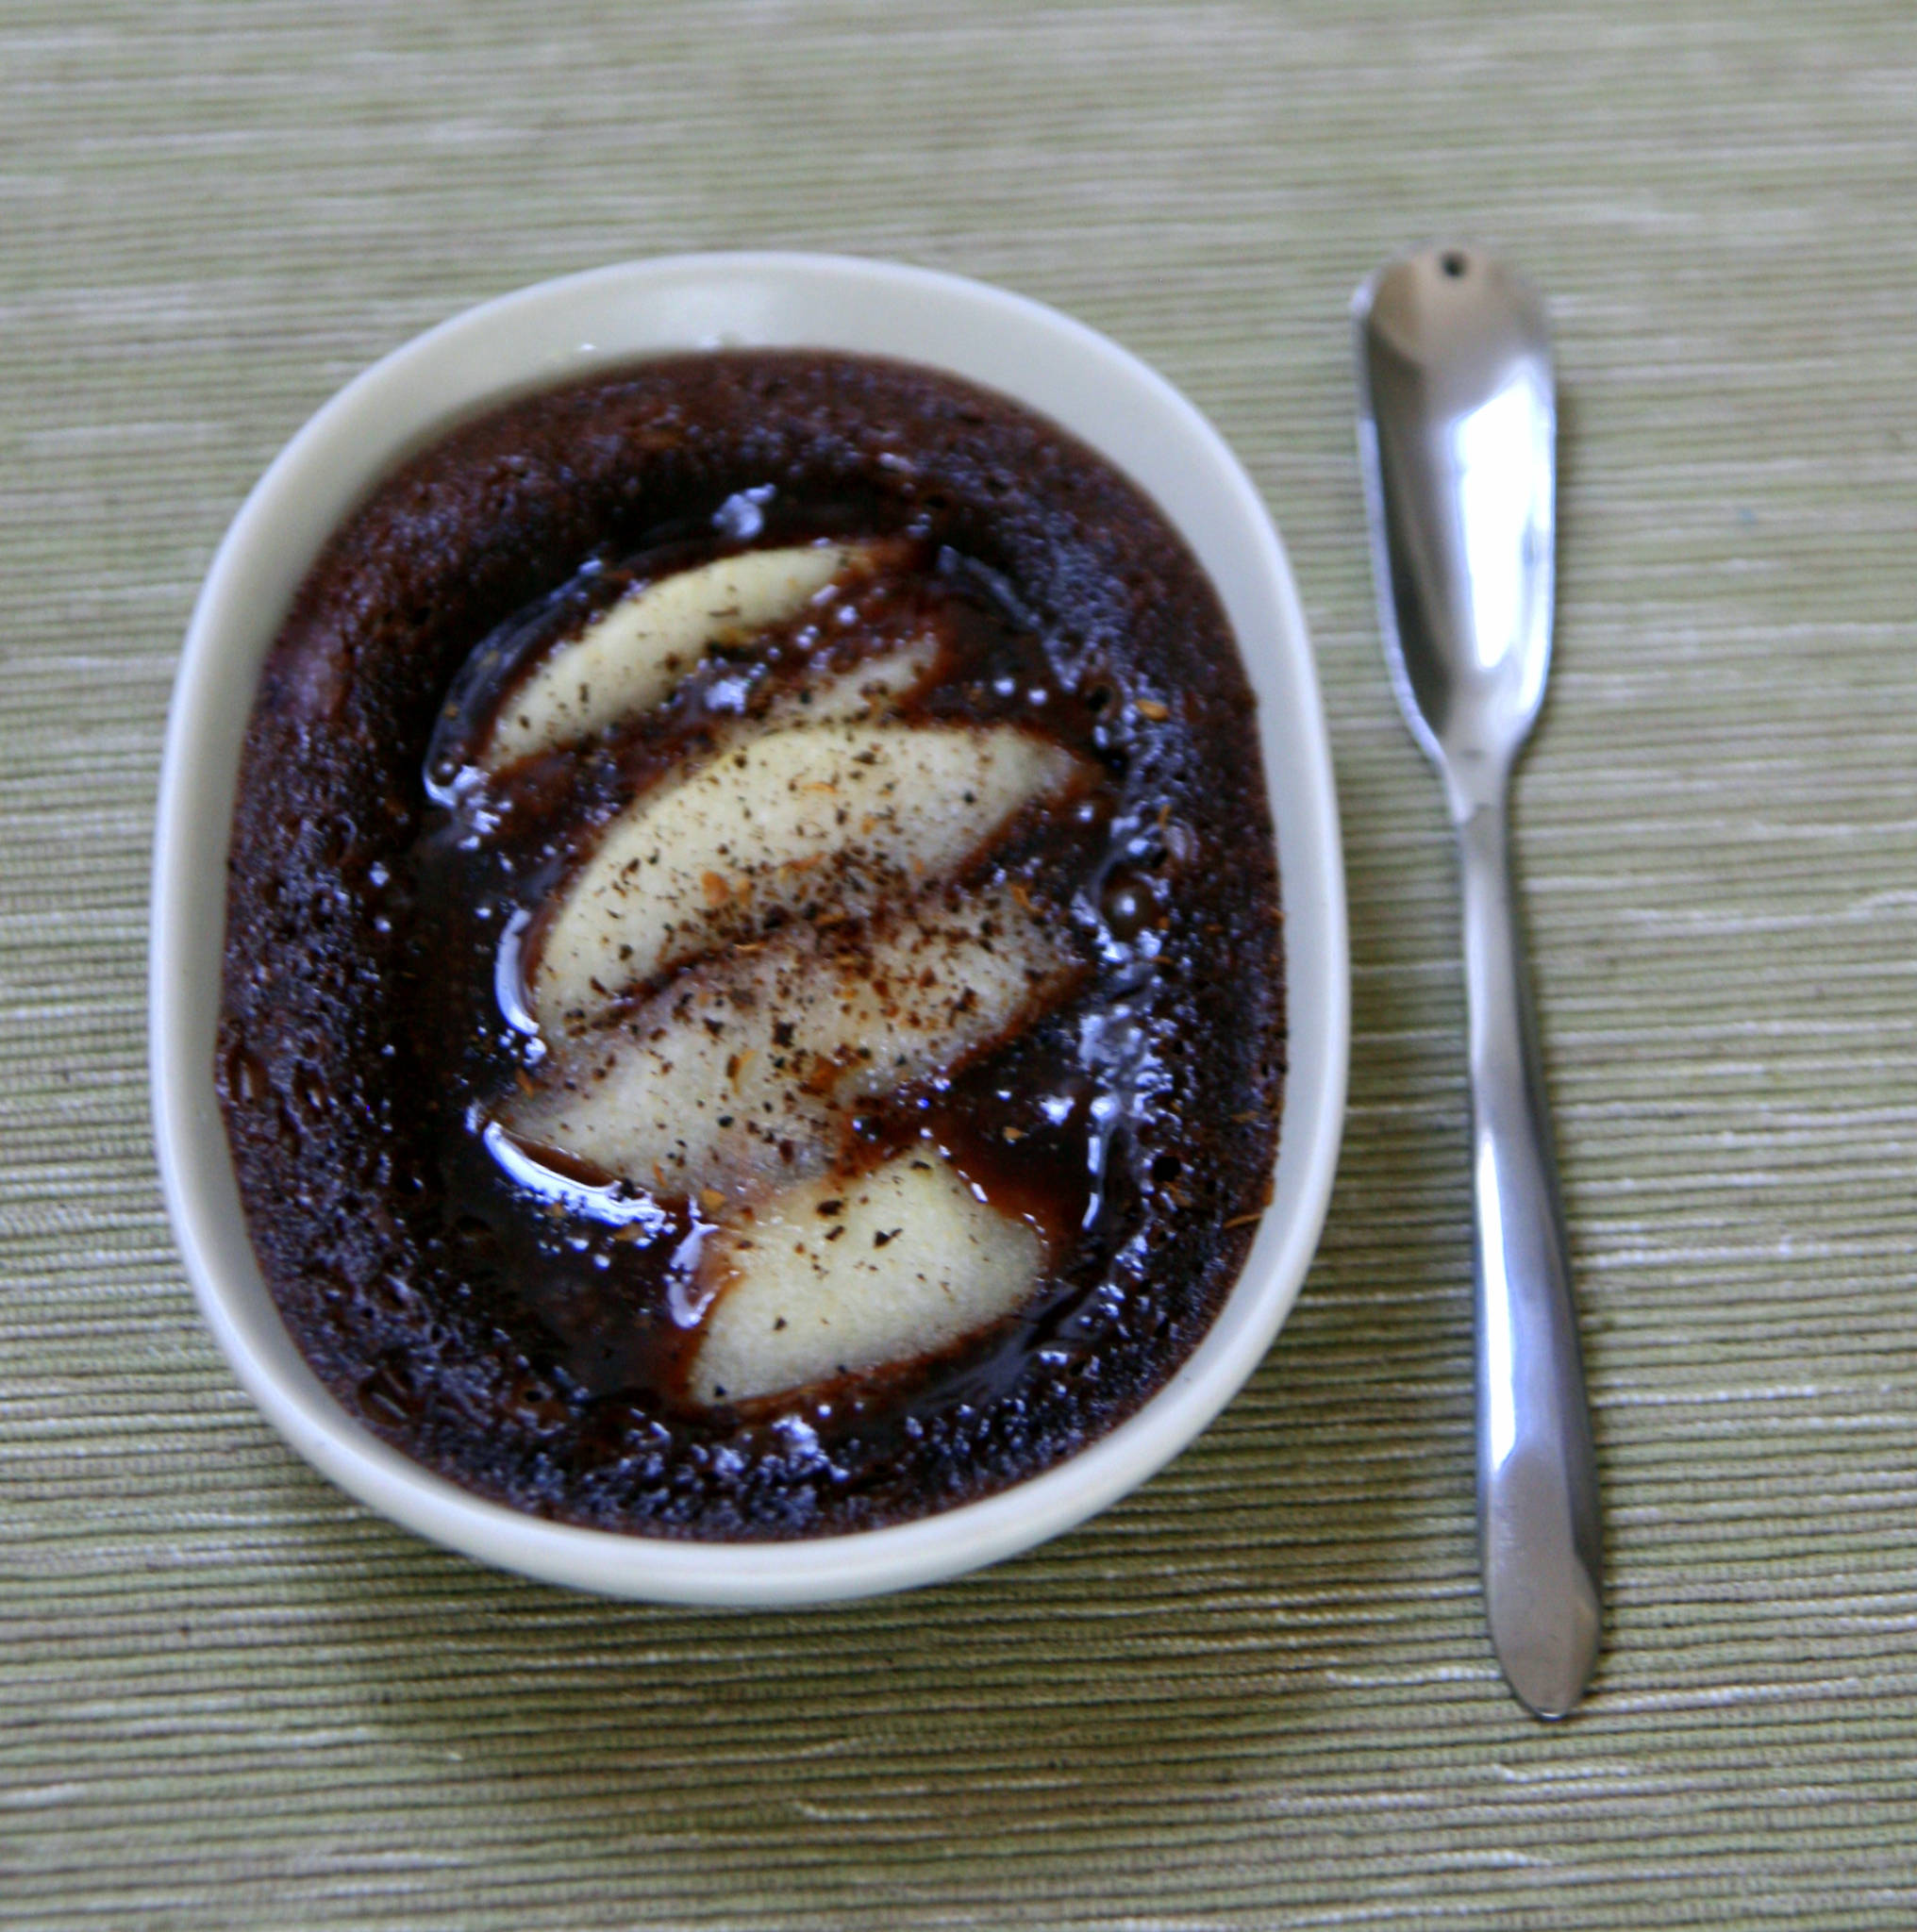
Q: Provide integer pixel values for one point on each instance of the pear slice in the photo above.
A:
(868, 689)
(633, 655)
(838, 1276)
(846, 817)
(740, 1074)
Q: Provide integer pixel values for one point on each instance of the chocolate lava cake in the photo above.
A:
(753, 995)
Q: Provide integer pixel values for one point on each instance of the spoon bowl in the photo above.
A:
(1458, 428)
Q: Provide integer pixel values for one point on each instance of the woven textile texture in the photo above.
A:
(1256, 1694)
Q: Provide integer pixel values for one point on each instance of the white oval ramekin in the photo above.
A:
(569, 329)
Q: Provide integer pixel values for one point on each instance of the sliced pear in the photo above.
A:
(839, 1276)
(861, 690)
(846, 817)
(740, 1074)
(635, 655)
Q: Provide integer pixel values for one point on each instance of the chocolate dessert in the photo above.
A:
(753, 998)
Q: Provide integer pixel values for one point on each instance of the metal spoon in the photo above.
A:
(1457, 437)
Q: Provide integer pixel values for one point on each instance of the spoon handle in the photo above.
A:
(1538, 1537)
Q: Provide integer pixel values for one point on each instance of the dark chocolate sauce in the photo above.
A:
(522, 1323)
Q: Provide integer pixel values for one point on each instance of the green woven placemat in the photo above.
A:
(1257, 1693)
